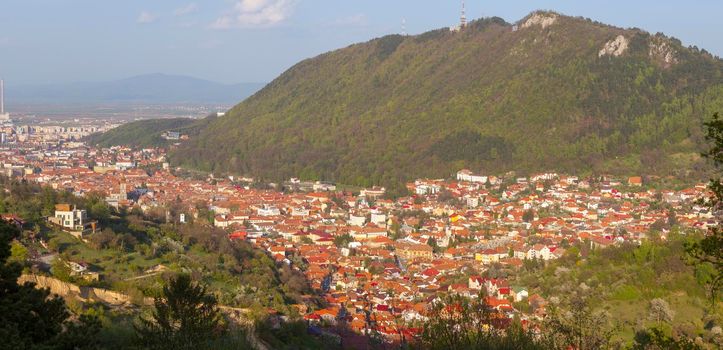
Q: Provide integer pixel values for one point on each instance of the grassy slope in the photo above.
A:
(623, 281)
(488, 98)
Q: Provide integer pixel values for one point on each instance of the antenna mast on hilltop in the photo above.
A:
(404, 26)
(463, 18)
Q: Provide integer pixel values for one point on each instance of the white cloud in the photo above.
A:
(185, 10)
(146, 17)
(255, 13)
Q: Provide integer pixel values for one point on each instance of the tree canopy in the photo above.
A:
(709, 250)
(186, 316)
(30, 318)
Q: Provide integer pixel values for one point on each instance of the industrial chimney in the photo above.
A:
(2, 97)
(4, 117)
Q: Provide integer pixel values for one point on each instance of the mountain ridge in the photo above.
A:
(541, 94)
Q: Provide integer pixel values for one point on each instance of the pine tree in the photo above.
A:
(185, 317)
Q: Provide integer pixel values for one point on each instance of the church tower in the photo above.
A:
(123, 193)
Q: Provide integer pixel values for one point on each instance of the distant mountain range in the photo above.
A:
(150, 88)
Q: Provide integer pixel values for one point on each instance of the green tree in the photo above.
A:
(19, 254)
(456, 322)
(432, 242)
(60, 269)
(709, 250)
(343, 240)
(655, 339)
(32, 319)
(185, 317)
(528, 215)
(579, 327)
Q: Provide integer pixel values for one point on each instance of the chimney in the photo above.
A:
(2, 97)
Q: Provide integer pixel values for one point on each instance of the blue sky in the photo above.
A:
(52, 41)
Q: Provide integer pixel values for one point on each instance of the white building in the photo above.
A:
(425, 188)
(300, 211)
(268, 210)
(124, 165)
(70, 218)
(379, 218)
(467, 175)
(324, 186)
(357, 219)
(374, 192)
(472, 202)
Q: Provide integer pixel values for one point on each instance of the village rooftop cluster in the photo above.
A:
(369, 255)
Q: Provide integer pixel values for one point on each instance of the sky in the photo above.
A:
(233, 41)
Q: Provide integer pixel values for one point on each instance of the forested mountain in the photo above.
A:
(550, 92)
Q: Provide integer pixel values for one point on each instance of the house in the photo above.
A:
(635, 181)
(520, 252)
(80, 269)
(238, 235)
(519, 293)
(71, 219)
(487, 256)
(425, 188)
(357, 219)
(13, 220)
(379, 218)
(475, 282)
(367, 232)
(472, 202)
(224, 221)
(539, 251)
(601, 242)
(268, 210)
(411, 251)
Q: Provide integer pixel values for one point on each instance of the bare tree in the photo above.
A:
(660, 311)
